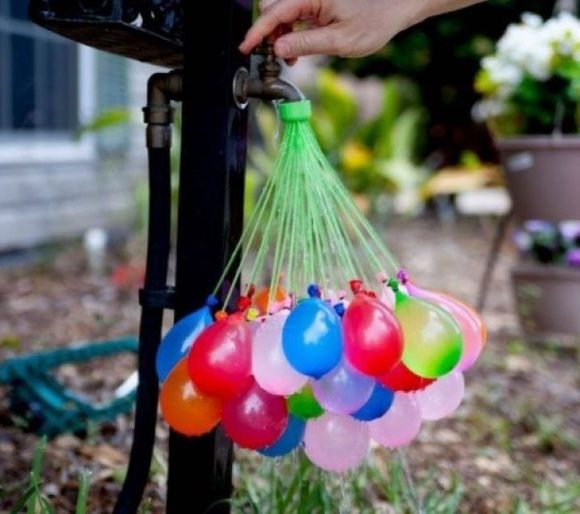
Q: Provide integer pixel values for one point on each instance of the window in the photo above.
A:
(39, 76)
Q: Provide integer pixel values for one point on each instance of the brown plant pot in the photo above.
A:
(547, 298)
(543, 176)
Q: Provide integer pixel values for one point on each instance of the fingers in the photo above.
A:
(274, 14)
(307, 42)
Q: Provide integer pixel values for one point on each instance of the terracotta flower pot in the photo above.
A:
(543, 176)
(547, 298)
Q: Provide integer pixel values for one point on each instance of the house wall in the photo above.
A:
(54, 190)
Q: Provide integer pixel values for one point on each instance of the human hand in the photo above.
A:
(346, 28)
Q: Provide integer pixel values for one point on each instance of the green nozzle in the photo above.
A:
(295, 111)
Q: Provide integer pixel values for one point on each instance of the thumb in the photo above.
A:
(316, 41)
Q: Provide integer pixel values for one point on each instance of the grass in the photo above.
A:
(33, 501)
(294, 486)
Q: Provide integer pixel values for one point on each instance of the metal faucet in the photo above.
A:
(267, 85)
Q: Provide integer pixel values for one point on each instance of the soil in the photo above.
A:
(515, 438)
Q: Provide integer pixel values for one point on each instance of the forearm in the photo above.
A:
(347, 28)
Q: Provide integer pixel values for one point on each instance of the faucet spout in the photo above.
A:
(268, 85)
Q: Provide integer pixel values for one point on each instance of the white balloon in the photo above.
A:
(270, 367)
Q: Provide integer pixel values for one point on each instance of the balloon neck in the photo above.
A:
(356, 286)
(211, 301)
(252, 314)
(314, 291)
(403, 276)
(339, 309)
(244, 303)
(382, 277)
(393, 284)
(221, 315)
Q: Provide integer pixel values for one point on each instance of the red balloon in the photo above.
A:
(373, 339)
(401, 378)
(255, 418)
(220, 361)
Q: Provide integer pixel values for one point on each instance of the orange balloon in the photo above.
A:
(185, 409)
(262, 297)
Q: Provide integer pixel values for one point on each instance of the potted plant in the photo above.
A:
(547, 280)
(531, 102)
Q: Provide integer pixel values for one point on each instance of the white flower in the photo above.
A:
(563, 34)
(532, 48)
(532, 20)
(504, 74)
(488, 109)
(524, 46)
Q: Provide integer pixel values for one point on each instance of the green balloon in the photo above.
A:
(433, 340)
(303, 405)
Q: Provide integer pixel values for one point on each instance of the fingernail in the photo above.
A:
(282, 49)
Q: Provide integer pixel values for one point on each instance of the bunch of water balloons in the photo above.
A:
(337, 347)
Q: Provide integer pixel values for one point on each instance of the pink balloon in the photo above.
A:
(387, 297)
(469, 322)
(442, 397)
(400, 425)
(270, 367)
(336, 442)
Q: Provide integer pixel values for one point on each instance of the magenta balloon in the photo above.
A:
(343, 390)
(335, 442)
(400, 425)
(270, 367)
(469, 323)
(442, 397)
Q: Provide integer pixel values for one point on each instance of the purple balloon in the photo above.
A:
(343, 390)
(400, 425)
(336, 443)
(442, 397)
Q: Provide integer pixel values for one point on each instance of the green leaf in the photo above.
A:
(405, 133)
(83, 494)
(337, 102)
(106, 120)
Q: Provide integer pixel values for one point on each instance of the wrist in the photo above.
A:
(412, 12)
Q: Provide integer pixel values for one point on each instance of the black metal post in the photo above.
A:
(209, 219)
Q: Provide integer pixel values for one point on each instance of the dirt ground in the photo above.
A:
(517, 435)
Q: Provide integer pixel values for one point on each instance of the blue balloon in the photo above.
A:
(312, 338)
(177, 342)
(378, 404)
(288, 441)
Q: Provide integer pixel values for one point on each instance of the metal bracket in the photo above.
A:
(157, 298)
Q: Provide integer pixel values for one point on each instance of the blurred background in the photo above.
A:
(449, 194)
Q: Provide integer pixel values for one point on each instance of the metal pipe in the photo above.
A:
(155, 295)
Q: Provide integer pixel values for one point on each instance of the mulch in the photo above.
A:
(515, 438)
